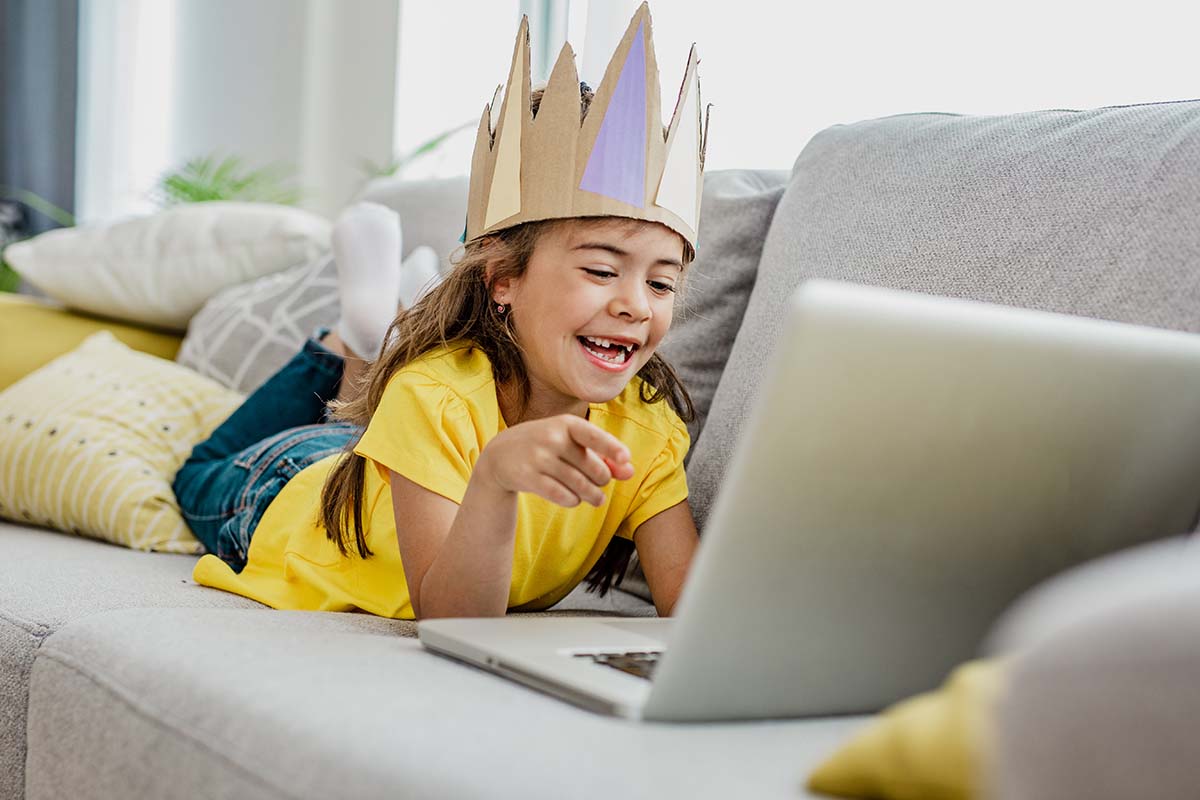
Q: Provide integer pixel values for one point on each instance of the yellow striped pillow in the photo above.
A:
(90, 443)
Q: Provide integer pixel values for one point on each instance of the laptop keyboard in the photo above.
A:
(638, 662)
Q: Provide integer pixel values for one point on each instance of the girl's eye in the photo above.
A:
(660, 287)
(601, 273)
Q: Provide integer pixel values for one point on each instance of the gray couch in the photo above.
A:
(121, 678)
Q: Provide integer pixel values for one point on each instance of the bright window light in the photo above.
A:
(777, 73)
(453, 53)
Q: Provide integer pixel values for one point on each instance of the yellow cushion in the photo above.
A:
(929, 747)
(90, 443)
(35, 332)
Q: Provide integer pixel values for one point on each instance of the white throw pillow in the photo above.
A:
(159, 270)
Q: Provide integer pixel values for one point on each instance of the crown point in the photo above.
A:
(492, 110)
(616, 167)
(528, 167)
(561, 95)
(679, 183)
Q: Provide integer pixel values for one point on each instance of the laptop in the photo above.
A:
(910, 466)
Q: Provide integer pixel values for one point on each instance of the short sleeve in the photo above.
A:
(664, 486)
(422, 430)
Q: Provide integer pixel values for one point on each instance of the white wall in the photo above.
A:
(453, 54)
(778, 72)
(239, 80)
(349, 95)
(304, 83)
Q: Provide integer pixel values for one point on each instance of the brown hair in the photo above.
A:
(461, 308)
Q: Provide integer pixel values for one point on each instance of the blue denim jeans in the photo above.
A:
(230, 478)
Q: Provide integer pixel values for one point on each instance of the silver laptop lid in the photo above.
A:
(912, 465)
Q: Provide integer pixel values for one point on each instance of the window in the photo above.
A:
(452, 55)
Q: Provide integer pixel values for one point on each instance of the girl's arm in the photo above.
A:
(665, 545)
(458, 558)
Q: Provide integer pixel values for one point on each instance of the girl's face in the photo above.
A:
(594, 302)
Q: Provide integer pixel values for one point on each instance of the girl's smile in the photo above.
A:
(614, 354)
(593, 304)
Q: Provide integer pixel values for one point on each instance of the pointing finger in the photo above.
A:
(622, 471)
(607, 446)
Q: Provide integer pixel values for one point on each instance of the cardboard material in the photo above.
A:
(504, 199)
(679, 190)
(617, 161)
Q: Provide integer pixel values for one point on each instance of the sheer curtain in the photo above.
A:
(125, 71)
(37, 101)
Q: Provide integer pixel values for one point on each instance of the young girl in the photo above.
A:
(516, 426)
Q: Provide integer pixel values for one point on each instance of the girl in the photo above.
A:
(516, 427)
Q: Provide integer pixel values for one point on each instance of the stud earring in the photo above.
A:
(501, 308)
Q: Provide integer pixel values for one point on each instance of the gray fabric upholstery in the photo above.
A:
(734, 217)
(1096, 588)
(48, 579)
(186, 703)
(1082, 212)
(1107, 708)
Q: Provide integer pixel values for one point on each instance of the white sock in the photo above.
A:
(419, 273)
(366, 248)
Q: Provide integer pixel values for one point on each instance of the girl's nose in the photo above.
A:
(631, 302)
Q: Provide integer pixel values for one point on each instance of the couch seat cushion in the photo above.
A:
(177, 703)
(48, 579)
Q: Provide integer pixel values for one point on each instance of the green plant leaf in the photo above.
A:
(10, 281)
(205, 179)
(40, 204)
(398, 163)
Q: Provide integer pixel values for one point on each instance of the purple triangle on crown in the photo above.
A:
(616, 167)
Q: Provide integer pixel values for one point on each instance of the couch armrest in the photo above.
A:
(1094, 588)
(1107, 707)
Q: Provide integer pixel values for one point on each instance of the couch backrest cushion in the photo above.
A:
(1094, 213)
(734, 217)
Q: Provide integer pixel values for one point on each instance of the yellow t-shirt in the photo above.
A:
(433, 421)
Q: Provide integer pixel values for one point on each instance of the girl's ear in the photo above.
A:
(502, 289)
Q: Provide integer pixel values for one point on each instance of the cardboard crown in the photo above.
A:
(618, 161)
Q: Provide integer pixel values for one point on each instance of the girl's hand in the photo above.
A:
(564, 459)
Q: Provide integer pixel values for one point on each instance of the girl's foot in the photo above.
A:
(419, 273)
(366, 249)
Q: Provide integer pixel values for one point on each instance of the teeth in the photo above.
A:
(616, 358)
(607, 343)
